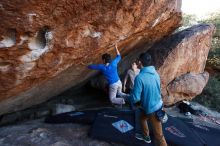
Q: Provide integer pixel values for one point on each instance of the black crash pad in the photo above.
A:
(103, 128)
(82, 117)
(176, 132)
(209, 136)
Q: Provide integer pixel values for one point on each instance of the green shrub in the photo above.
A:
(210, 96)
(214, 53)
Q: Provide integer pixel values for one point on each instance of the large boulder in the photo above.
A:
(181, 53)
(186, 86)
(46, 45)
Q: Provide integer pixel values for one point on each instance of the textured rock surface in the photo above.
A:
(45, 46)
(187, 86)
(181, 53)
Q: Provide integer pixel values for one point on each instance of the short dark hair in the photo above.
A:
(134, 61)
(145, 59)
(106, 57)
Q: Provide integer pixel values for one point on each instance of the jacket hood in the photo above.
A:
(148, 69)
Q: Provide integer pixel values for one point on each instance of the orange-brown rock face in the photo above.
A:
(182, 53)
(46, 45)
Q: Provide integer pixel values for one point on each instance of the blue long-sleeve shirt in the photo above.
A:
(110, 71)
(147, 90)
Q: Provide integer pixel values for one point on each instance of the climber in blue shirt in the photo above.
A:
(110, 72)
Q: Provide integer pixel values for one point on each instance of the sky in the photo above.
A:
(200, 7)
